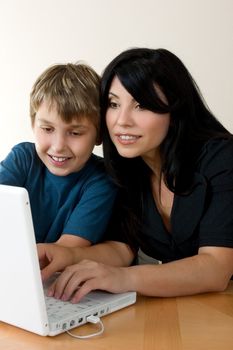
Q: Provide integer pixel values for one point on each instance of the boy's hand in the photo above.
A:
(53, 258)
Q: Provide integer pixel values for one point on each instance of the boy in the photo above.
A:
(70, 194)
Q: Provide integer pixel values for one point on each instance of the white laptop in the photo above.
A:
(22, 299)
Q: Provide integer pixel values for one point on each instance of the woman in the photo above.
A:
(173, 162)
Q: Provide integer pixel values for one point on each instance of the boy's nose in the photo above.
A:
(59, 143)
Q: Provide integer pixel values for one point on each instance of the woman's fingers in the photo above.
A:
(78, 280)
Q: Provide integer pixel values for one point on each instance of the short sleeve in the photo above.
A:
(14, 168)
(216, 225)
(91, 215)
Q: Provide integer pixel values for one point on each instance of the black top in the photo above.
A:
(204, 217)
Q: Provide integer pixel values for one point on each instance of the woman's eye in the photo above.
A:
(112, 104)
(139, 107)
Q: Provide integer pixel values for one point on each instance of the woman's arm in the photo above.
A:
(208, 271)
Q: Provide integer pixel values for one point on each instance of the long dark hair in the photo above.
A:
(192, 124)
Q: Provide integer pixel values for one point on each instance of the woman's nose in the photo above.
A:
(124, 117)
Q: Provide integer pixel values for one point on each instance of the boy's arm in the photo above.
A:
(67, 240)
(55, 258)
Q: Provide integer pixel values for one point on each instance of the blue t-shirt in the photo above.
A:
(78, 204)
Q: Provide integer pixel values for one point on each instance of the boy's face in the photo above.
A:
(63, 148)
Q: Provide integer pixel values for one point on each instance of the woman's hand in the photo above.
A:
(79, 279)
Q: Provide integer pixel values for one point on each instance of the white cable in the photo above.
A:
(90, 319)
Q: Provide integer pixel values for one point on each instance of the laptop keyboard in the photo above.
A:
(75, 314)
(58, 309)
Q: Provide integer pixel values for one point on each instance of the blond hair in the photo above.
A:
(73, 88)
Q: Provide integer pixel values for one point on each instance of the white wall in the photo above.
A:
(36, 34)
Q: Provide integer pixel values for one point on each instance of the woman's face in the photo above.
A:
(133, 130)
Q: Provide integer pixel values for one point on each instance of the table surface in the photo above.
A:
(197, 322)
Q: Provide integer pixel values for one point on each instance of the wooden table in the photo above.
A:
(201, 322)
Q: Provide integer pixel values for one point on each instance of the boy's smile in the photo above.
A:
(64, 148)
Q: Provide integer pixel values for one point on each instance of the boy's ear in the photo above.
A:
(98, 140)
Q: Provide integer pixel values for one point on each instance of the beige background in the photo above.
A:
(37, 34)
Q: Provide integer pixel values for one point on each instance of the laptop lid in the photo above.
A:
(22, 300)
(21, 294)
